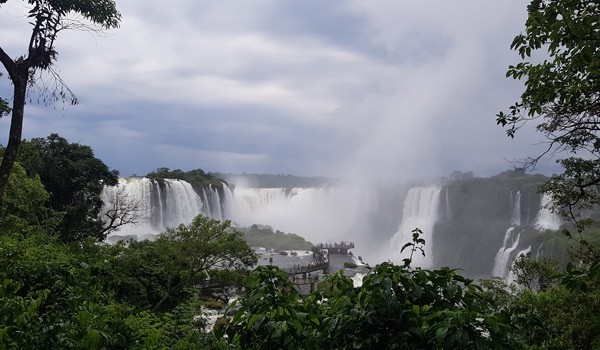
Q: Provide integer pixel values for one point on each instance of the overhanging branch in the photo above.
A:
(8, 63)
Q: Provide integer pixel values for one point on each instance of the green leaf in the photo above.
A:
(440, 334)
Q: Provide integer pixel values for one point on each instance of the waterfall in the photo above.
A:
(510, 277)
(207, 207)
(182, 203)
(501, 262)
(421, 208)
(540, 252)
(349, 212)
(448, 211)
(230, 206)
(250, 200)
(156, 206)
(217, 209)
(157, 217)
(146, 203)
(274, 206)
(246, 206)
(546, 219)
(516, 218)
(170, 202)
(317, 214)
(212, 206)
(511, 240)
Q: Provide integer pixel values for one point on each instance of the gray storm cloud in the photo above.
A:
(393, 88)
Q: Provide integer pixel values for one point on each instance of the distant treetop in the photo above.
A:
(195, 177)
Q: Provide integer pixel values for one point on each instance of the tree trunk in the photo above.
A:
(16, 128)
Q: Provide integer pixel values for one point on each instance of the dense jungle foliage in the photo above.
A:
(266, 237)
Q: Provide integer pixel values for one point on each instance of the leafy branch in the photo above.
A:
(416, 244)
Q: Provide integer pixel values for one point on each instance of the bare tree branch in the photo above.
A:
(121, 210)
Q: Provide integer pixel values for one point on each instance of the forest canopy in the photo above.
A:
(195, 177)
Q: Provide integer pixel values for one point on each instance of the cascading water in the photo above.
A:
(228, 202)
(510, 277)
(168, 203)
(546, 219)
(315, 213)
(516, 218)
(318, 214)
(249, 201)
(540, 251)
(501, 262)
(182, 203)
(367, 215)
(157, 206)
(511, 240)
(421, 210)
(211, 202)
(211, 205)
(448, 210)
(142, 196)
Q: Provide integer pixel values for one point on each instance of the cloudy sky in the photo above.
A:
(393, 88)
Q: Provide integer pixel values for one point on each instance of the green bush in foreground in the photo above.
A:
(397, 307)
(57, 295)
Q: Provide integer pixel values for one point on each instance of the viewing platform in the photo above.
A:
(308, 268)
(301, 274)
